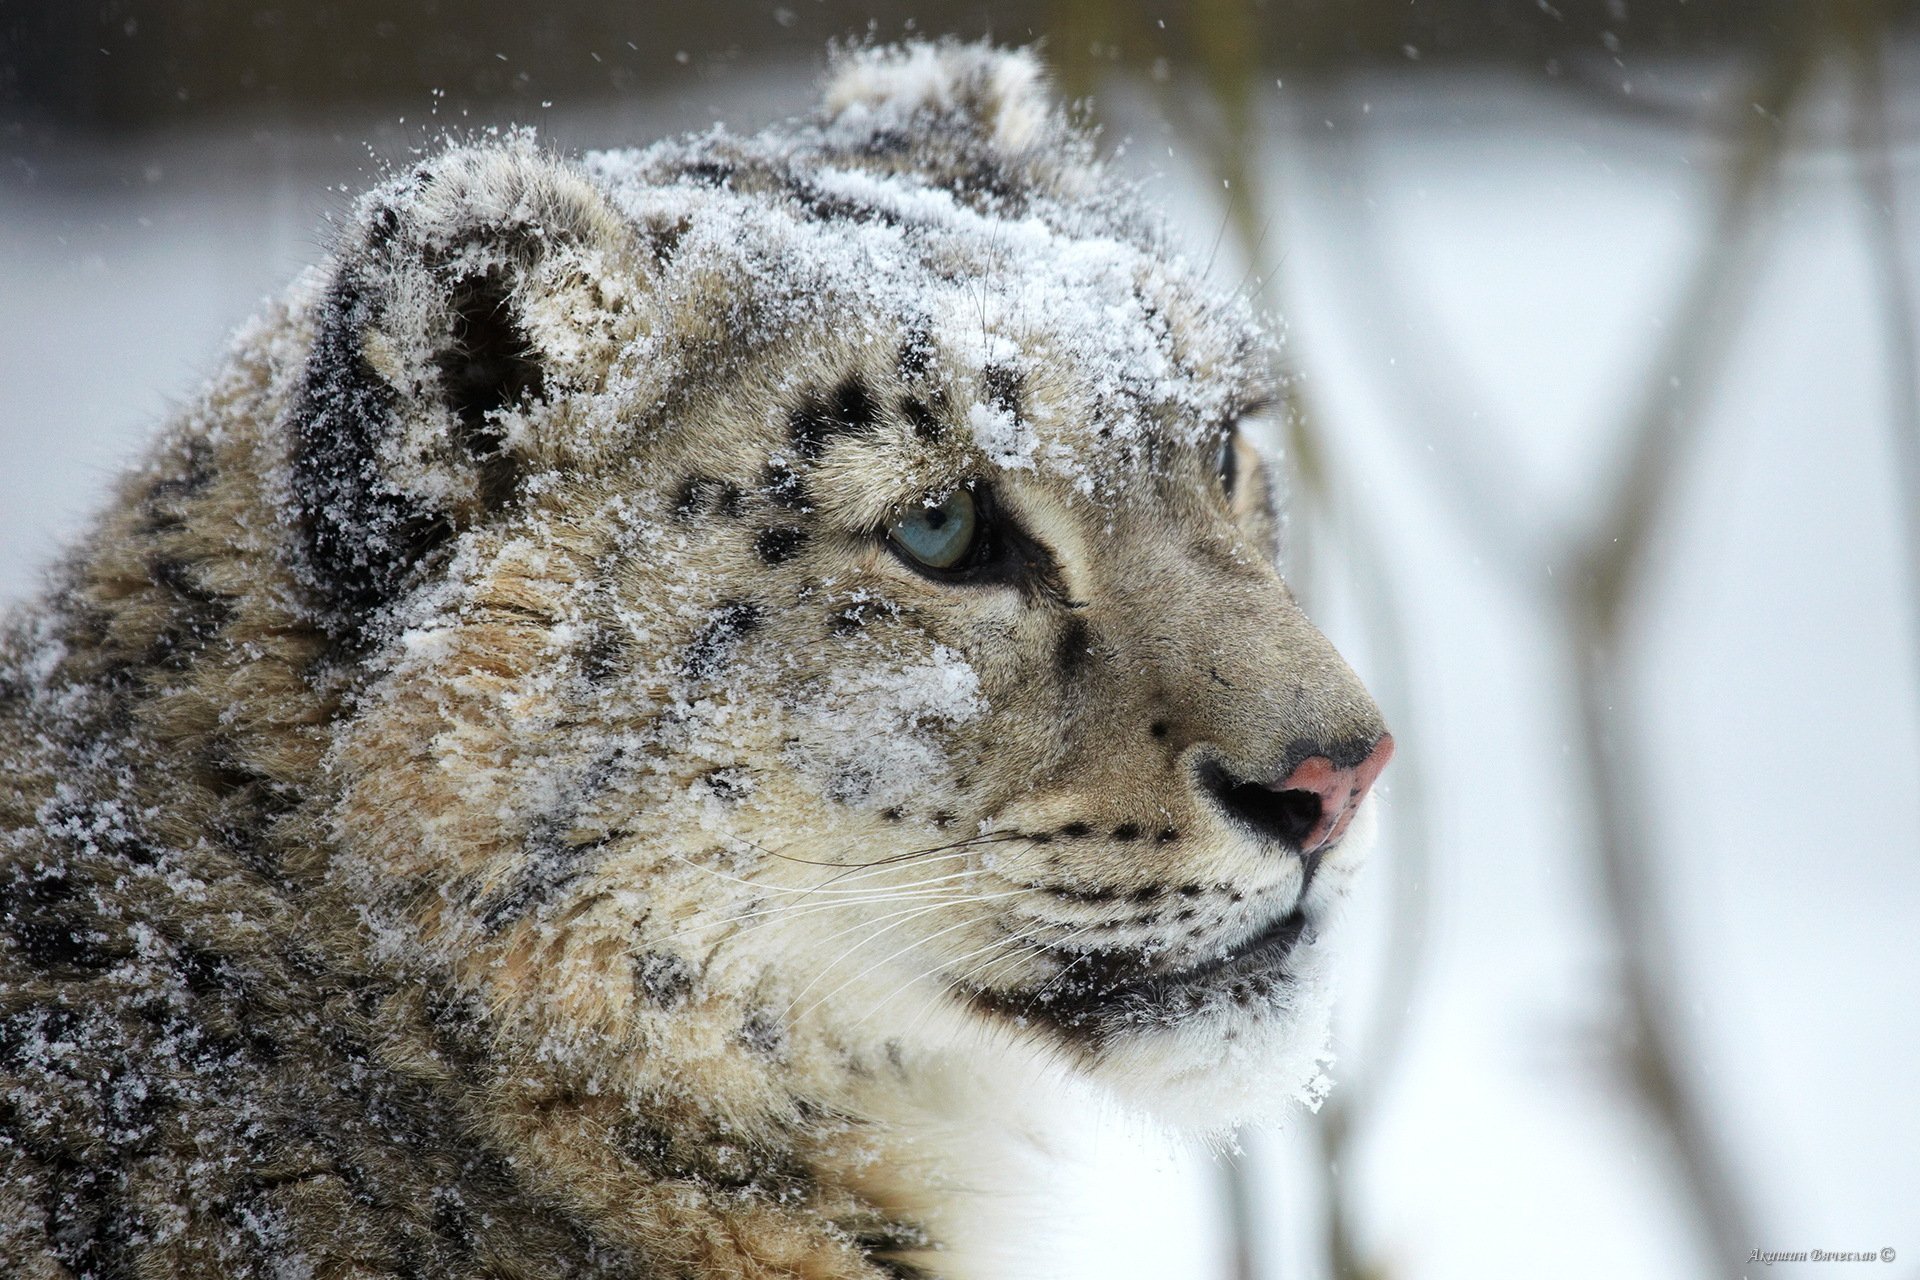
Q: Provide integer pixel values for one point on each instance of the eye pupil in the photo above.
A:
(942, 535)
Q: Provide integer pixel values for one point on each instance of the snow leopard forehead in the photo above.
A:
(938, 205)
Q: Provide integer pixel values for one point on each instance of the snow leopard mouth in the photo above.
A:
(1106, 995)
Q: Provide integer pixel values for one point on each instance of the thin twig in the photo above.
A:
(1594, 623)
(1873, 161)
(1663, 426)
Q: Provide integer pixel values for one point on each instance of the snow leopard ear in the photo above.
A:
(979, 120)
(469, 296)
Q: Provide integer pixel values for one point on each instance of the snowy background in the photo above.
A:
(1480, 273)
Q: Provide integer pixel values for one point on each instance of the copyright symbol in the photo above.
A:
(1886, 1255)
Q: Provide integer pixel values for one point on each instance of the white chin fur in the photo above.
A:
(1213, 1073)
(1233, 1067)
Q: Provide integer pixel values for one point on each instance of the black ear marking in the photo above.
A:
(488, 366)
(361, 536)
(366, 528)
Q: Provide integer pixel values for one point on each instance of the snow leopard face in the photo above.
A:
(811, 607)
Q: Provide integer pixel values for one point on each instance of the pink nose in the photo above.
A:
(1338, 790)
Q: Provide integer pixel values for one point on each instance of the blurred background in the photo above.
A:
(1604, 449)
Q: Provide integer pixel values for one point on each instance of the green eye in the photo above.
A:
(940, 536)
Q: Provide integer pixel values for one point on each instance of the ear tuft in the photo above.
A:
(470, 291)
(1001, 94)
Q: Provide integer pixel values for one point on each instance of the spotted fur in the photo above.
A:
(491, 798)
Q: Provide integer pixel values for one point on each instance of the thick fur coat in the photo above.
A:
(499, 793)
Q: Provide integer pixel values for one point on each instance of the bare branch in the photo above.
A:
(1662, 427)
(1593, 626)
(1866, 24)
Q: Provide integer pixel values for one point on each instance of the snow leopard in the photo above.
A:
(663, 713)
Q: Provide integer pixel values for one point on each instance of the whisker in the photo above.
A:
(793, 911)
(1022, 948)
(849, 952)
(841, 898)
(918, 942)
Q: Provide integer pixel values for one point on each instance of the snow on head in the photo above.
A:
(863, 737)
(939, 194)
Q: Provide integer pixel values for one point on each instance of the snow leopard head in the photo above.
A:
(813, 609)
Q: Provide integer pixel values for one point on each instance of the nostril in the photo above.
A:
(1310, 806)
(1286, 816)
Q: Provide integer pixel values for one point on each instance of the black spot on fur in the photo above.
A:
(386, 225)
(765, 1034)
(553, 858)
(648, 1145)
(1073, 650)
(700, 494)
(783, 486)
(55, 928)
(827, 206)
(725, 628)
(990, 182)
(708, 173)
(550, 865)
(925, 425)
(687, 498)
(488, 367)
(1072, 893)
(1076, 829)
(779, 545)
(819, 419)
(1003, 388)
(603, 656)
(917, 353)
(89, 1206)
(727, 783)
(453, 1221)
(159, 506)
(1167, 836)
(1126, 831)
(888, 142)
(198, 615)
(1146, 893)
(664, 978)
(1158, 728)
